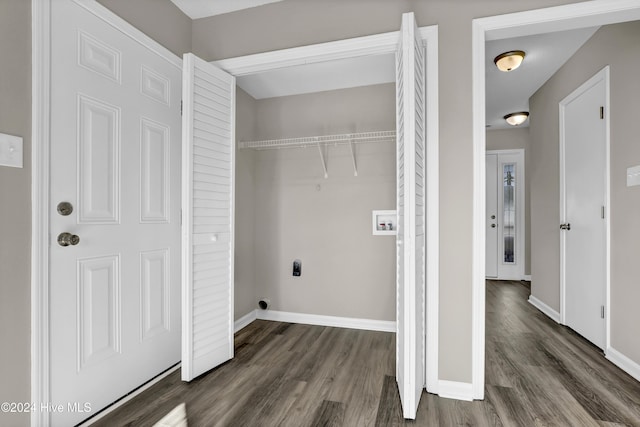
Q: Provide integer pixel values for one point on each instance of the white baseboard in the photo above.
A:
(244, 321)
(527, 277)
(320, 320)
(106, 411)
(550, 312)
(623, 362)
(455, 390)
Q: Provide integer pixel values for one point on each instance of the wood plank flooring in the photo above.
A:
(537, 374)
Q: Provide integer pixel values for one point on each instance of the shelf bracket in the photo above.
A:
(324, 163)
(353, 157)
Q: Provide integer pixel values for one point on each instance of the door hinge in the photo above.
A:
(602, 213)
(602, 311)
(601, 113)
(181, 107)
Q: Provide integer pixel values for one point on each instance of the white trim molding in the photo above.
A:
(456, 390)
(544, 308)
(623, 362)
(244, 321)
(376, 44)
(526, 277)
(432, 245)
(40, 132)
(332, 321)
(566, 17)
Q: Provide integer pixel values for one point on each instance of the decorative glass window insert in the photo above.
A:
(509, 212)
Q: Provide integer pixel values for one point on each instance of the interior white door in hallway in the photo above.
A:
(584, 194)
(115, 158)
(505, 210)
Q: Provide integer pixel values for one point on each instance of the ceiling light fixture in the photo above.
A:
(509, 61)
(516, 119)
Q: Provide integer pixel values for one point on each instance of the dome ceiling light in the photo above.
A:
(509, 61)
(516, 119)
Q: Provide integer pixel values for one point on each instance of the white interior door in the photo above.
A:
(410, 94)
(583, 173)
(115, 158)
(491, 253)
(208, 164)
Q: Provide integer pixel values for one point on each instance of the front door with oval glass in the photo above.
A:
(505, 215)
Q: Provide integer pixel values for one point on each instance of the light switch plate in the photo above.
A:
(10, 150)
(633, 176)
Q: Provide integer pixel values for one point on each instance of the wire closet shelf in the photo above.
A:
(312, 141)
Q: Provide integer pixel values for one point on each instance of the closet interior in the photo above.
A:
(311, 168)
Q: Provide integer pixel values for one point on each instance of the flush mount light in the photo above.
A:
(509, 61)
(516, 119)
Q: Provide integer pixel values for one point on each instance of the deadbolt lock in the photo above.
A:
(65, 208)
(68, 239)
(493, 217)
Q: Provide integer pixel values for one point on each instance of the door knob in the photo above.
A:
(566, 226)
(67, 239)
(493, 226)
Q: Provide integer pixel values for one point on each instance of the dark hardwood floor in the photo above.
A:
(537, 374)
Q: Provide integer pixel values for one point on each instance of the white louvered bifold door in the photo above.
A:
(410, 111)
(208, 156)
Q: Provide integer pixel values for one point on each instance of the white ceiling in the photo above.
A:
(320, 76)
(196, 9)
(545, 54)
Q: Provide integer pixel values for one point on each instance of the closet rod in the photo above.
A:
(348, 138)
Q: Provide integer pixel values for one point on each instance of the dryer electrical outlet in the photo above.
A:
(297, 267)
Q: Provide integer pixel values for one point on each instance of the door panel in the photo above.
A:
(208, 203)
(585, 194)
(491, 253)
(115, 156)
(505, 215)
(410, 111)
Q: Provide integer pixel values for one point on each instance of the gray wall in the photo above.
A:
(244, 289)
(617, 46)
(510, 139)
(159, 19)
(15, 209)
(346, 271)
(300, 22)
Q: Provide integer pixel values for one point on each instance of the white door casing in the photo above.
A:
(583, 208)
(115, 156)
(208, 165)
(505, 242)
(411, 130)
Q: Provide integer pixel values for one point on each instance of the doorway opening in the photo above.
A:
(569, 17)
